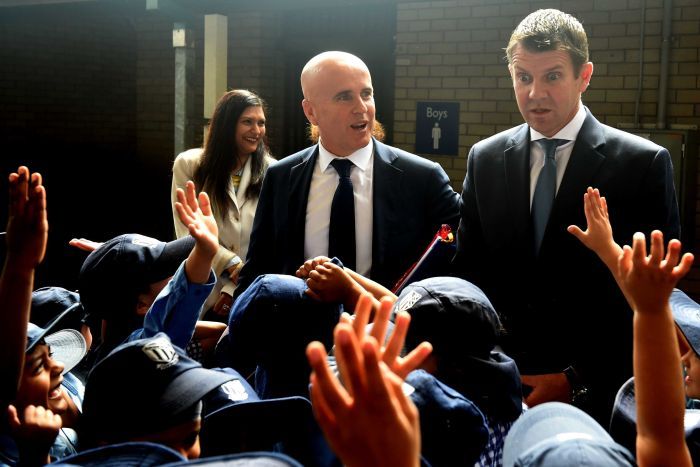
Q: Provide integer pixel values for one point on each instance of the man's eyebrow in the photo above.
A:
(342, 93)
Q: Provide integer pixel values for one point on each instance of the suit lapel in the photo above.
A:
(516, 160)
(385, 188)
(299, 185)
(584, 163)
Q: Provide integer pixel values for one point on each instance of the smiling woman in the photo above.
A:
(230, 168)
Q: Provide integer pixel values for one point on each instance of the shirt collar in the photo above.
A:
(360, 158)
(570, 130)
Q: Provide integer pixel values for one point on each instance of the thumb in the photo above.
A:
(576, 232)
(13, 416)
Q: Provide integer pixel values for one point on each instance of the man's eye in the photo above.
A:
(367, 95)
(553, 76)
(524, 78)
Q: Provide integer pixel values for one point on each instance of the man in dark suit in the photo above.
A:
(567, 325)
(399, 199)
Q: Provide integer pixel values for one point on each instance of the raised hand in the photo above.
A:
(649, 280)
(598, 235)
(374, 423)
(27, 227)
(34, 432)
(390, 352)
(195, 212)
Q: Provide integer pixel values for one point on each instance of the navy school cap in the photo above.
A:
(553, 434)
(49, 302)
(457, 318)
(143, 386)
(623, 422)
(453, 429)
(113, 274)
(686, 314)
(258, 459)
(131, 454)
(237, 420)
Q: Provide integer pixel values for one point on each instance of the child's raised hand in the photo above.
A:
(35, 430)
(650, 279)
(195, 212)
(27, 227)
(598, 235)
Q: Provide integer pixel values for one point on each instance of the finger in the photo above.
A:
(414, 359)
(398, 337)
(182, 213)
(325, 381)
(191, 195)
(639, 249)
(309, 291)
(362, 311)
(685, 265)
(13, 416)
(576, 232)
(204, 203)
(376, 388)
(381, 321)
(323, 414)
(349, 358)
(345, 318)
(657, 248)
(604, 206)
(673, 254)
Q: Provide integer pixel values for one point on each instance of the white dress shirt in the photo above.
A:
(324, 181)
(563, 153)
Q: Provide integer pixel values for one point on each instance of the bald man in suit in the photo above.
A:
(400, 199)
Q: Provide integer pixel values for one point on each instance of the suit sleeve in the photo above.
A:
(444, 204)
(469, 232)
(661, 205)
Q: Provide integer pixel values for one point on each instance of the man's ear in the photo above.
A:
(309, 111)
(586, 74)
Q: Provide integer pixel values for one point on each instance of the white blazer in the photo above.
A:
(234, 227)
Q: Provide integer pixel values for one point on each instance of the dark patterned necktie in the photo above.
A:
(545, 190)
(341, 234)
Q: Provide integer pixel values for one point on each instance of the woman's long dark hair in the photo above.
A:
(220, 154)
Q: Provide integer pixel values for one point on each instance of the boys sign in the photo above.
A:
(437, 128)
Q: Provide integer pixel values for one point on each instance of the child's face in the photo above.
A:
(691, 364)
(184, 438)
(41, 381)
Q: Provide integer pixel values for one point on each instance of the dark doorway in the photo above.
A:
(365, 32)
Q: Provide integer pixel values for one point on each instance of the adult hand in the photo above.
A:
(222, 307)
(547, 388)
(309, 265)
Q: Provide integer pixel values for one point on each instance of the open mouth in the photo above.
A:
(251, 140)
(540, 111)
(56, 391)
(359, 126)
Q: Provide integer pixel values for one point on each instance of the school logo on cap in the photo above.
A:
(234, 390)
(141, 240)
(408, 301)
(161, 352)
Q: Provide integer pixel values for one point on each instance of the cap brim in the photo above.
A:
(686, 314)
(53, 325)
(136, 453)
(546, 421)
(257, 424)
(173, 254)
(623, 422)
(68, 346)
(190, 387)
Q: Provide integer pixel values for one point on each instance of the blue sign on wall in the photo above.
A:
(437, 128)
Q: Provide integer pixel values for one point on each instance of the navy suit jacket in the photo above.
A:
(563, 307)
(412, 198)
